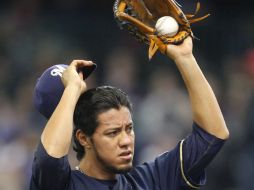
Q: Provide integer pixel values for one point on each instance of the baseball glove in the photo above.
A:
(140, 16)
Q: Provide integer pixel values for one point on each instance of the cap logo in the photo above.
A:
(57, 71)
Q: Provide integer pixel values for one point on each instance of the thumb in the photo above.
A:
(81, 76)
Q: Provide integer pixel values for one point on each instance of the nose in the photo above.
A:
(125, 139)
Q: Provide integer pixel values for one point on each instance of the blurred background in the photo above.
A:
(36, 34)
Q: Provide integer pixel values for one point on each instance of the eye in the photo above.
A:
(129, 129)
(112, 133)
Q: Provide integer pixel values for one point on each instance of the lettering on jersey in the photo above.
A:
(58, 71)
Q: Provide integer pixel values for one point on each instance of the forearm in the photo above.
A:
(57, 134)
(206, 111)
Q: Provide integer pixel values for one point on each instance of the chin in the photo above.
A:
(120, 170)
(124, 170)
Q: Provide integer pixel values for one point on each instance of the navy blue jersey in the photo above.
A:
(179, 169)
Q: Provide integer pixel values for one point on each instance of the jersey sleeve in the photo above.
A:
(196, 152)
(181, 168)
(49, 173)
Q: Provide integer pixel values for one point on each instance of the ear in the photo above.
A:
(83, 139)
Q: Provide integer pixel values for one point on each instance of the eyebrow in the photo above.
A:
(112, 123)
(116, 127)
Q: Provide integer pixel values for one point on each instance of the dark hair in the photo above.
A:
(90, 105)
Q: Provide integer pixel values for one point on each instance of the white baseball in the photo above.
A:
(167, 25)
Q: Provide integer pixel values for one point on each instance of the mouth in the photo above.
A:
(127, 155)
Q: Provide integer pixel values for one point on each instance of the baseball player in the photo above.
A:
(100, 120)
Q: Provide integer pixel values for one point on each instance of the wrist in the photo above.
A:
(74, 89)
(184, 59)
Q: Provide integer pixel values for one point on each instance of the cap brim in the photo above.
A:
(87, 70)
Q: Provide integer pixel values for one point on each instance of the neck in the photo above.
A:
(95, 169)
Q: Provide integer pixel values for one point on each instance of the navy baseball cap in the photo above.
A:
(49, 88)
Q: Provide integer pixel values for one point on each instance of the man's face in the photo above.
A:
(113, 140)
